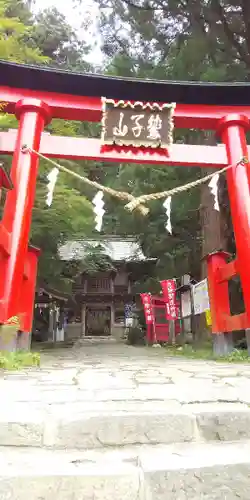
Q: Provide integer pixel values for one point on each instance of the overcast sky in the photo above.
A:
(76, 16)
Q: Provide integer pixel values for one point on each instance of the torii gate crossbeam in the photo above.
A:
(76, 148)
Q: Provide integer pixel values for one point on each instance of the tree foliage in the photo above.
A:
(96, 260)
(208, 39)
(69, 215)
(49, 39)
(58, 40)
(14, 33)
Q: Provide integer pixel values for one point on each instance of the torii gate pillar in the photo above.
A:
(233, 132)
(33, 114)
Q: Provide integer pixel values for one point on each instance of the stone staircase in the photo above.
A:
(205, 471)
(125, 451)
(62, 439)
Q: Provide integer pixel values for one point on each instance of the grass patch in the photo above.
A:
(18, 360)
(187, 351)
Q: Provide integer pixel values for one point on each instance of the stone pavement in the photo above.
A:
(108, 421)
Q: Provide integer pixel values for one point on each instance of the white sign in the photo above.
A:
(186, 304)
(200, 297)
(129, 322)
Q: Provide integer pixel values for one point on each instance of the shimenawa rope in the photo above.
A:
(135, 203)
(112, 192)
(132, 205)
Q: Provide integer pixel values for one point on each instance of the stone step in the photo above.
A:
(96, 425)
(218, 471)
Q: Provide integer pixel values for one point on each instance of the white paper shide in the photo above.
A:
(213, 185)
(52, 178)
(98, 210)
(167, 206)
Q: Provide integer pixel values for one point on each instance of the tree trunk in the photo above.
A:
(212, 221)
(213, 238)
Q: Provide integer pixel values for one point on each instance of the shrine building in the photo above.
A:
(102, 299)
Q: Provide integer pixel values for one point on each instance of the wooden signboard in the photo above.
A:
(200, 297)
(137, 124)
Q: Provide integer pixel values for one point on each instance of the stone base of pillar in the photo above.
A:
(12, 340)
(23, 341)
(222, 344)
(8, 338)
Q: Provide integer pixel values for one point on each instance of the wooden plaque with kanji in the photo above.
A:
(137, 124)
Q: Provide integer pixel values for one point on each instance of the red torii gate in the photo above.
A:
(36, 95)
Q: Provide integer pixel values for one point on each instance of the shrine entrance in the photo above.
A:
(137, 127)
(98, 320)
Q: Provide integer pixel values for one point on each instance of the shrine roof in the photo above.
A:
(44, 78)
(118, 249)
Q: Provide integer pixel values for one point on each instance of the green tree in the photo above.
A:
(13, 36)
(58, 41)
(208, 39)
(15, 29)
(25, 39)
(70, 215)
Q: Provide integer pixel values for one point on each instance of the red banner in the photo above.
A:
(169, 294)
(146, 300)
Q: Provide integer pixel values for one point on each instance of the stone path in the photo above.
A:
(108, 421)
(107, 372)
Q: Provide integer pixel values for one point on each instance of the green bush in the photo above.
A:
(206, 353)
(18, 360)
